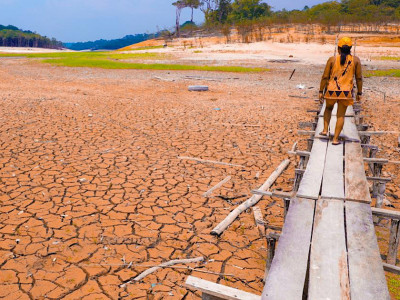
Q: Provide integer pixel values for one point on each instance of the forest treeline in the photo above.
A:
(11, 36)
(110, 44)
(333, 13)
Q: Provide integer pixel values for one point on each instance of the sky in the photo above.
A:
(84, 20)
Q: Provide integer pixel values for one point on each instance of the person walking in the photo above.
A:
(337, 86)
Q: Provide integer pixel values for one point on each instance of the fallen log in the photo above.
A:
(251, 201)
(167, 264)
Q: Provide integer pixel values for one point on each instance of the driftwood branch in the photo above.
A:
(167, 264)
(251, 201)
(210, 161)
(217, 186)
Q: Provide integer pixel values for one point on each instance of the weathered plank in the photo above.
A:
(218, 290)
(287, 275)
(365, 266)
(311, 183)
(386, 213)
(350, 131)
(356, 185)
(328, 260)
(333, 182)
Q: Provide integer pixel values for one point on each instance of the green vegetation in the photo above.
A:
(389, 58)
(88, 55)
(383, 73)
(110, 44)
(115, 60)
(328, 13)
(11, 36)
(109, 64)
(394, 286)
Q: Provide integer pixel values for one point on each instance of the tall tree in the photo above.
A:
(180, 4)
(193, 4)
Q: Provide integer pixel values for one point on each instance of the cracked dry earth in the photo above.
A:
(92, 192)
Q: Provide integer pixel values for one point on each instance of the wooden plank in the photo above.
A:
(365, 266)
(287, 275)
(328, 261)
(356, 185)
(311, 183)
(218, 290)
(333, 182)
(350, 131)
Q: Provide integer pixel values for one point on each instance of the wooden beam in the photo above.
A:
(379, 179)
(376, 133)
(218, 290)
(386, 213)
(391, 269)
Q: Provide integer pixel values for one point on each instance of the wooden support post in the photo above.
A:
(362, 127)
(380, 194)
(310, 143)
(393, 242)
(372, 154)
(271, 245)
(286, 207)
(365, 139)
(297, 179)
(377, 173)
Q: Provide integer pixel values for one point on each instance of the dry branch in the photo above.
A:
(210, 161)
(217, 186)
(167, 264)
(251, 201)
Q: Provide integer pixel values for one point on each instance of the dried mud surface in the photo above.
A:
(92, 192)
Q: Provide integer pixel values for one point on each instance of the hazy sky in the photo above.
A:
(83, 20)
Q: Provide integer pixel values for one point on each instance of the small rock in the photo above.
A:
(90, 115)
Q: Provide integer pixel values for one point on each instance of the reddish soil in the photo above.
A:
(92, 192)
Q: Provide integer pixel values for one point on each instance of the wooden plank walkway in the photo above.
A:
(328, 247)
